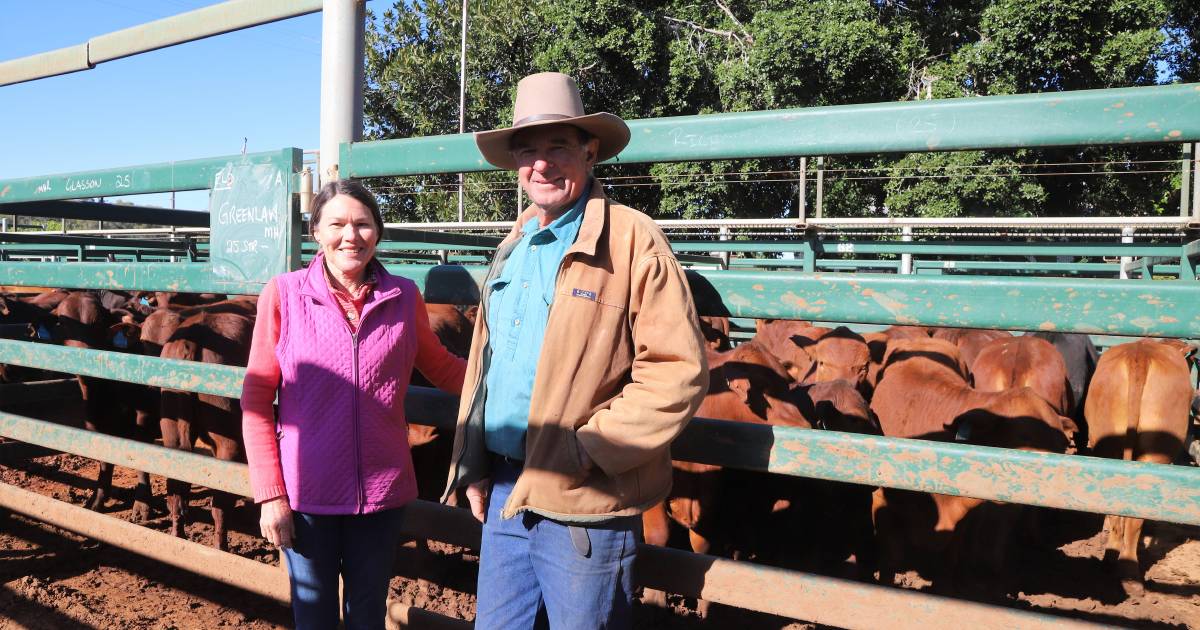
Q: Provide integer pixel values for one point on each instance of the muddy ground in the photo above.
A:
(54, 579)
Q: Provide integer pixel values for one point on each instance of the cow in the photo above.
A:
(431, 447)
(923, 393)
(970, 342)
(81, 321)
(221, 338)
(750, 514)
(716, 333)
(813, 354)
(1137, 410)
(1080, 356)
(1008, 362)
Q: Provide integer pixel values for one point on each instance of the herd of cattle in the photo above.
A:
(1047, 392)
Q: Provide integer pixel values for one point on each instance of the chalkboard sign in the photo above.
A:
(250, 218)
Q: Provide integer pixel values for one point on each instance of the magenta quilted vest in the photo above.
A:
(344, 440)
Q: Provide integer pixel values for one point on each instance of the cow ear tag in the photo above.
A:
(964, 431)
(43, 333)
(145, 301)
(120, 340)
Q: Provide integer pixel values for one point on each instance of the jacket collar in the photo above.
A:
(314, 284)
(594, 218)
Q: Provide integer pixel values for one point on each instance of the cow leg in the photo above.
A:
(177, 433)
(1128, 568)
(226, 449)
(92, 415)
(142, 495)
(655, 530)
(885, 538)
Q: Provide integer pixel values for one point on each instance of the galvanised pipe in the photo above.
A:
(226, 568)
(164, 276)
(342, 36)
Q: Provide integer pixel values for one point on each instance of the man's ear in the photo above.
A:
(593, 150)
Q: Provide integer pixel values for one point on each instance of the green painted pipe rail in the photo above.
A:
(204, 378)
(980, 248)
(1155, 491)
(131, 180)
(181, 277)
(1093, 306)
(1165, 113)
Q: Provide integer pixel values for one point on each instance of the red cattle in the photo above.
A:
(812, 354)
(970, 341)
(222, 338)
(1137, 409)
(923, 393)
(1008, 362)
(81, 321)
(716, 332)
(432, 447)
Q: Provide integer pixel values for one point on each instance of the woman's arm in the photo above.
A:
(443, 369)
(258, 398)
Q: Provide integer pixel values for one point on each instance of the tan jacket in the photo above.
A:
(622, 370)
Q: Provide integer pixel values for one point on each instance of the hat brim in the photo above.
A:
(612, 132)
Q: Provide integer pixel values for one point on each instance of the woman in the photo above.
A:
(337, 341)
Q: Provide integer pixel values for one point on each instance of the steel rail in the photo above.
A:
(1089, 484)
(766, 589)
(208, 21)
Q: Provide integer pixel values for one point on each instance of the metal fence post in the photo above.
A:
(906, 259)
(802, 210)
(820, 186)
(342, 40)
(1127, 237)
(1185, 186)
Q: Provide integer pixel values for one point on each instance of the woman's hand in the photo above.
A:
(477, 496)
(276, 522)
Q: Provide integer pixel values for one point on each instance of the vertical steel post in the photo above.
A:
(306, 190)
(1196, 182)
(906, 259)
(820, 186)
(1127, 237)
(342, 36)
(1185, 186)
(462, 100)
(803, 210)
(724, 256)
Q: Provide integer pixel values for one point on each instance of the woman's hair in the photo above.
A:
(352, 189)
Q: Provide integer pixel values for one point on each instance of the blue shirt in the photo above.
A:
(517, 310)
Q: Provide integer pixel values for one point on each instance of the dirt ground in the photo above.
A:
(54, 579)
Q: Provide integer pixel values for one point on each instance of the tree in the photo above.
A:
(653, 58)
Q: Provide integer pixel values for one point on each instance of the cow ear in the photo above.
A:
(124, 332)
(471, 312)
(740, 385)
(1069, 427)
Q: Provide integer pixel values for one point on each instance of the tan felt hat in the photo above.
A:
(550, 98)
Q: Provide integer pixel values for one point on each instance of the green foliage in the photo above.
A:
(653, 58)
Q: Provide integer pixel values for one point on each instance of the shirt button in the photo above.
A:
(516, 322)
(533, 248)
(524, 285)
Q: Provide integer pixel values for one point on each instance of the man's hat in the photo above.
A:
(550, 98)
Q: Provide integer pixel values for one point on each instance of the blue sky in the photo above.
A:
(193, 100)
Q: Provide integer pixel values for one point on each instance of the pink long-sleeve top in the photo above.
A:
(264, 375)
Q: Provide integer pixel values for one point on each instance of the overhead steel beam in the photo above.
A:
(1164, 113)
(205, 22)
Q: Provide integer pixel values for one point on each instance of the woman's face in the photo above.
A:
(348, 234)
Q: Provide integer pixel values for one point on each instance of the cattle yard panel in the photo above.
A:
(1164, 114)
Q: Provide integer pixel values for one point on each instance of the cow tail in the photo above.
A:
(1139, 369)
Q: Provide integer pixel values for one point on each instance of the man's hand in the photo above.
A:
(586, 463)
(275, 522)
(477, 496)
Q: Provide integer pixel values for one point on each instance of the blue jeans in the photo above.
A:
(359, 547)
(535, 572)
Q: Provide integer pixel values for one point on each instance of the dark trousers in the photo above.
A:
(359, 547)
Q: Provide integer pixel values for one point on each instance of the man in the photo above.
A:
(586, 362)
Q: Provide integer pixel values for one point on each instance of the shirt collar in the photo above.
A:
(564, 223)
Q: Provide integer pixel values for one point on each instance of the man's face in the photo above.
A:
(553, 166)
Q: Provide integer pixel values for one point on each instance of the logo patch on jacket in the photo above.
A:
(589, 295)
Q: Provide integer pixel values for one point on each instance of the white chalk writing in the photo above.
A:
(124, 181)
(242, 246)
(228, 214)
(80, 185)
(44, 187)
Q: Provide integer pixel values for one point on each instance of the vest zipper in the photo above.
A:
(357, 447)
